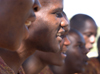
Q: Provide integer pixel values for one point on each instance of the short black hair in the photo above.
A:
(78, 21)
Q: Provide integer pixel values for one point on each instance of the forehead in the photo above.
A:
(90, 26)
(75, 38)
(54, 4)
(51, 1)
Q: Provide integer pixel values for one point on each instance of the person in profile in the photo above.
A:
(93, 66)
(87, 26)
(40, 59)
(45, 34)
(13, 16)
(76, 55)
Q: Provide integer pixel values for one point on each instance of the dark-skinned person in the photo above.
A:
(87, 26)
(14, 15)
(34, 63)
(93, 66)
(45, 34)
(76, 55)
(39, 60)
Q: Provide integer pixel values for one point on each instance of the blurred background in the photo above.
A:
(89, 7)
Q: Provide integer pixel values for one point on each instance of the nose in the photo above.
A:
(36, 6)
(92, 39)
(64, 22)
(67, 41)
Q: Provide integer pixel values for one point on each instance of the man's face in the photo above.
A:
(49, 27)
(13, 15)
(76, 54)
(55, 58)
(89, 33)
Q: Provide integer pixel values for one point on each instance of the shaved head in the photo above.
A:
(87, 26)
(47, 2)
(78, 21)
(73, 32)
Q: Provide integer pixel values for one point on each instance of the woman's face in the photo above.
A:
(76, 54)
(89, 33)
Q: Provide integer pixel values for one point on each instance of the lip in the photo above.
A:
(59, 39)
(85, 60)
(63, 52)
(90, 48)
(59, 36)
(28, 23)
(63, 55)
(30, 19)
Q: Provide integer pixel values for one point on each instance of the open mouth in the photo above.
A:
(63, 54)
(59, 38)
(28, 23)
(86, 61)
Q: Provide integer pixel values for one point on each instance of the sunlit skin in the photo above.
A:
(50, 27)
(35, 63)
(93, 65)
(87, 26)
(46, 32)
(89, 33)
(13, 15)
(76, 55)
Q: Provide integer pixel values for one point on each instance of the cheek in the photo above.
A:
(92, 39)
(73, 56)
(86, 38)
(54, 21)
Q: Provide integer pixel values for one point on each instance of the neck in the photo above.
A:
(14, 59)
(60, 69)
(24, 51)
(67, 70)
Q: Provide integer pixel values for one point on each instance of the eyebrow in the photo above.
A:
(58, 9)
(79, 42)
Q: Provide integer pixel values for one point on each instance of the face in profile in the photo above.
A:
(13, 15)
(49, 27)
(55, 58)
(76, 54)
(89, 33)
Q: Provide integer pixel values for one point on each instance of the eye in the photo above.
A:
(80, 46)
(88, 35)
(59, 14)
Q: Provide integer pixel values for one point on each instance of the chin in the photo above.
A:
(79, 70)
(48, 48)
(60, 63)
